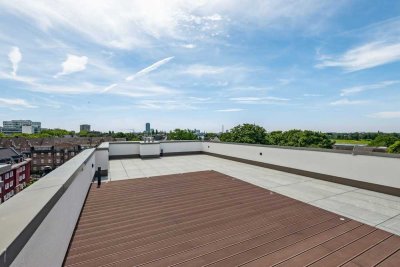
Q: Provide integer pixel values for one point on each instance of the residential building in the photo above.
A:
(84, 127)
(17, 126)
(14, 173)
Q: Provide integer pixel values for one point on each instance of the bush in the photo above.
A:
(384, 140)
(395, 148)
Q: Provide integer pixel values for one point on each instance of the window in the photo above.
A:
(23, 168)
(49, 161)
(58, 160)
(7, 175)
(34, 161)
(11, 174)
(6, 186)
(42, 160)
(34, 154)
(72, 153)
(35, 168)
(49, 153)
(11, 183)
(58, 153)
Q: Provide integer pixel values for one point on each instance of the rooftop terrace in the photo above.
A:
(208, 203)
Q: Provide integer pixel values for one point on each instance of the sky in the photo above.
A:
(295, 64)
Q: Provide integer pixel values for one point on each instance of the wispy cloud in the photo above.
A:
(149, 69)
(73, 64)
(15, 103)
(189, 46)
(259, 100)
(363, 57)
(361, 88)
(312, 95)
(15, 58)
(165, 105)
(347, 102)
(386, 115)
(230, 110)
(199, 70)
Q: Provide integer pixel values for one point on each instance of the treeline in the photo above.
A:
(254, 134)
(358, 136)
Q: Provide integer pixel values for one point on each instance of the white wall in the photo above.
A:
(124, 149)
(149, 149)
(372, 169)
(49, 243)
(176, 147)
(102, 159)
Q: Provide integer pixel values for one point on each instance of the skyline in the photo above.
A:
(281, 65)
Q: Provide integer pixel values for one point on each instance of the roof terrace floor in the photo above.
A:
(207, 218)
(372, 208)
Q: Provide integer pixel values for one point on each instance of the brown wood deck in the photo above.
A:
(208, 218)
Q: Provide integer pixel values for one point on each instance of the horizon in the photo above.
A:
(306, 65)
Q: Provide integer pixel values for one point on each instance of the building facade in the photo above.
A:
(84, 127)
(15, 172)
(19, 126)
(148, 127)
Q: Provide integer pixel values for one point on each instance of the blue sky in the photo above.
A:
(320, 65)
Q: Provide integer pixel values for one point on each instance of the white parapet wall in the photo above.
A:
(181, 147)
(37, 224)
(149, 150)
(379, 170)
(124, 149)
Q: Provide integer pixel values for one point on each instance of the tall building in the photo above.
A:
(148, 127)
(85, 127)
(21, 126)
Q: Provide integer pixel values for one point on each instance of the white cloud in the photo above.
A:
(128, 24)
(230, 110)
(189, 46)
(15, 58)
(165, 105)
(149, 69)
(259, 100)
(364, 57)
(108, 88)
(361, 88)
(347, 102)
(73, 64)
(15, 103)
(199, 70)
(386, 115)
(312, 95)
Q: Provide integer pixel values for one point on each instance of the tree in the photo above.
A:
(299, 138)
(83, 133)
(395, 148)
(384, 140)
(246, 133)
(179, 134)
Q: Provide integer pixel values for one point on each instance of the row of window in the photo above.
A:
(8, 195)
(50, 154)
(8, 175)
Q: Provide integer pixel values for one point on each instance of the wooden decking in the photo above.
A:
(207, 218)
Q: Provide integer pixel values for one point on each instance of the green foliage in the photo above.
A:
(2, 135)
(299, 138)
(395, 148)
(254, 134)
(384, 140)
(353, 142)
(209, 136)
(246, 133)
(179, 134)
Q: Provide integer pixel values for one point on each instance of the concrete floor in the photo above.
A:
(376, 209)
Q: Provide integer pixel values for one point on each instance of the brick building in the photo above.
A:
(15, 172)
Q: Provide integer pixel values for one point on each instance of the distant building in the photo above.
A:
(17, 126)
(15, 172)
(85, 127)
(148, 127)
